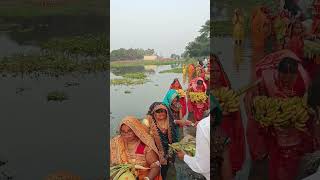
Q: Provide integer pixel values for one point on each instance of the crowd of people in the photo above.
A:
(146, 142)
(282, 71)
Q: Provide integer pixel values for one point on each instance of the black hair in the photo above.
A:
(174, 80)
(313, 98)
(288, 65)
(199, 82)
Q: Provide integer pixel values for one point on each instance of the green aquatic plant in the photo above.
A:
(127, 92)
(85, 45)
(57, 96)
(49, 65)
(128, 82)
(138, 75)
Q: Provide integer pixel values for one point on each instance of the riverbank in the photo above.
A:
(130, 63)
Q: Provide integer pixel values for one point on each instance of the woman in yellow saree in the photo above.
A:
(238, 29)
(134, 145)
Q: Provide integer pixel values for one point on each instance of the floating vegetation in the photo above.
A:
(127, 92)
(86, 45)
(57, 96)
(49, 65)
(174, 70)
(138, 75)
(128, 82)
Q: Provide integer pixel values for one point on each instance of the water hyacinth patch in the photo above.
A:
(57, 96)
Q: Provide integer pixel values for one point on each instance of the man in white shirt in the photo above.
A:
(200, 163)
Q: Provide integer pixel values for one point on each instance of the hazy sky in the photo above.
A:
(164, 25)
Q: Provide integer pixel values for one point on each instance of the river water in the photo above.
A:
(39, 137)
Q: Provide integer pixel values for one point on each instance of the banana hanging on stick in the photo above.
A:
(228, 99)
(281, 113)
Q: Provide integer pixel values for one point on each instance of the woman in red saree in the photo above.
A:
(197, 109)
(177, 86)
(232, 122)
(280, 75)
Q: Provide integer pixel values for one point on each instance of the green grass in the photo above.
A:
(115, 64)
(174, 70)
(33, 8)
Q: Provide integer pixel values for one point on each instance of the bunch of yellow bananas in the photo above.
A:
(125, 171)
(228, 99)
(296, 110)
(281, 113)
(198, 97)
(266, 110)
(181, 93)
(189, 148)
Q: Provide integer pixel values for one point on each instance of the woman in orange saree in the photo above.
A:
(281, 75)
(191, 72)
(232, 122)
(260, 28)
(134, 145)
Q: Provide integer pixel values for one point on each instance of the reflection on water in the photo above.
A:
(9, 46)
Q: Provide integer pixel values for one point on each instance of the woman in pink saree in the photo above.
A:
(281, 75)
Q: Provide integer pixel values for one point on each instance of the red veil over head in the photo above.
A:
(174, 81)
(267, 69)
(223, 79)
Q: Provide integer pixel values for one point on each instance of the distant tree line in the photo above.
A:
(200, 47)
(175, 56)
(130, 54)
